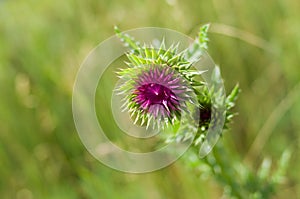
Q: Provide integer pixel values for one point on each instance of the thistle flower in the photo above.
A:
(157, 82)
(156, 93)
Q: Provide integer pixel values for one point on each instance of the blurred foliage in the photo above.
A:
(42, 44)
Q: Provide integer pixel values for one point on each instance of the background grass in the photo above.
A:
(42, 44)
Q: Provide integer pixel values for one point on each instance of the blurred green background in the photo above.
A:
(42, 44)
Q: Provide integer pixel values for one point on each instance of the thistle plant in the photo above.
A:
(158, 83)
(157, 87)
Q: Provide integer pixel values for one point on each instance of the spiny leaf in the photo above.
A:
(127, 40)
(231, 98)
(194, 52)
(203, 37)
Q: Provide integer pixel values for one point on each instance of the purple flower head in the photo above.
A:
(157, 92)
